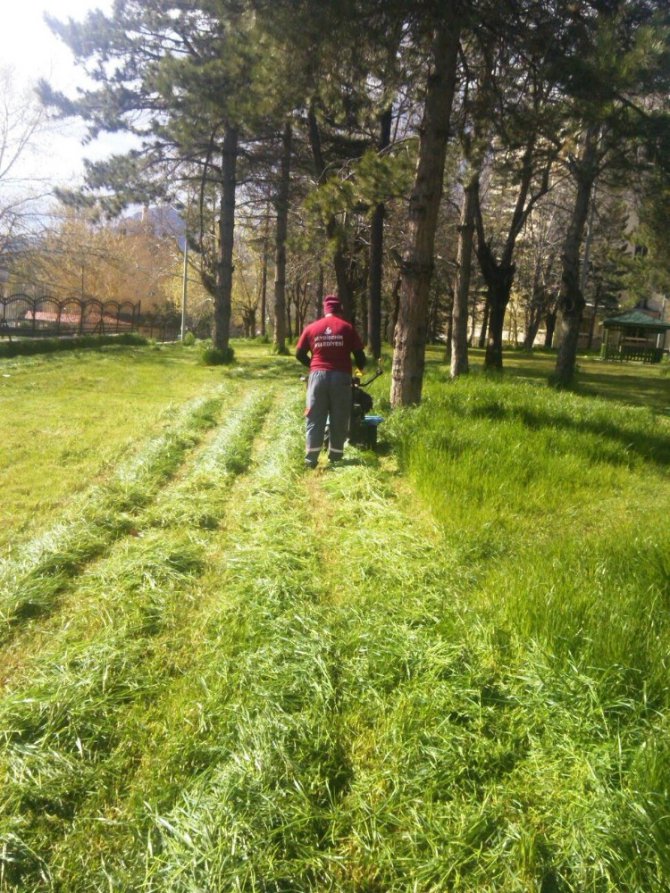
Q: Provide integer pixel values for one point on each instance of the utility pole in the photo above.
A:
(184, 288)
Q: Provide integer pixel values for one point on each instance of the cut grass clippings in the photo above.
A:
(80, 697)
(68, 421)
(31, 579)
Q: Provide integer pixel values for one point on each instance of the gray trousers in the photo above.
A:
(328, 397)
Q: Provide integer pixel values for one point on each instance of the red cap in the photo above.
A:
(331, 304)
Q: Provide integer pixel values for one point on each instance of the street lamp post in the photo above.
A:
(184, 288)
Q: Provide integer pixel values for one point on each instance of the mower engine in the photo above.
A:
(364, 423)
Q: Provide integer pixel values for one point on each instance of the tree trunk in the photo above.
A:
(333, 230)
(395, 308)
(531, 330)
(341, 263)
(459, 337)
(473, 321)
(318, 299)
(499, 273)
(500, 286)
(592, 326)
(225, 239)
(417, 265)
(449, 338)
(484, 331)
(571, 299)
(534, 314)
(264, 275)
(281, 207)
(550, 329)
(377, 254)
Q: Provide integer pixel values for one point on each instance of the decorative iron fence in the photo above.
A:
(640, 352)
(161, 326)
(23, 316)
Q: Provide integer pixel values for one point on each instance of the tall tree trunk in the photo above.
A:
(417, 265)
(466, 229)
(531, 332)
(534, 315)
(377, 253)
(225, 239)
(264, 275)
(484, 331)
(318, 298)
(336, 236)
(594, 319)
(571, 299)
(550, 328)
(532, 327)
(449, 336)
(499, 273)
(333, 230)
(395, 309)
(499, 288)
(281, 207)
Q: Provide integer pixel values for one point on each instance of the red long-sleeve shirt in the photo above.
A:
(331, 342)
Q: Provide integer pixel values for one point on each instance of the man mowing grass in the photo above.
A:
(325, 347)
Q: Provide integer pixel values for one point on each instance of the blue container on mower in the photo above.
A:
(363, 427)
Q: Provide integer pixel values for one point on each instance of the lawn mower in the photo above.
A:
(364, 423)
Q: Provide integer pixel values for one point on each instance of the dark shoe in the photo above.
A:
(310, 464)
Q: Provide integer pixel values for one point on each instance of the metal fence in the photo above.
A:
(641, 352)
(23, 316)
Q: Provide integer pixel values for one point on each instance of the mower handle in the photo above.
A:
(362, 384)
(379, 372)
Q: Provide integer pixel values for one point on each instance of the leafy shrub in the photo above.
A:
(214, 356)
(188, 339)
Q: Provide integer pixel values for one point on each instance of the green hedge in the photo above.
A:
(214, 356)
(28, 346)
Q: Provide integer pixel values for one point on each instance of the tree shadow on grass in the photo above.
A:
(642, 391)
(651, 447)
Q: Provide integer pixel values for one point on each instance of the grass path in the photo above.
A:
(221, 672)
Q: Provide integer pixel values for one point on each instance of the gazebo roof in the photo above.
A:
(636, 319)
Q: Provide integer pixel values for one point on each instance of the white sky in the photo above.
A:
(29, 47)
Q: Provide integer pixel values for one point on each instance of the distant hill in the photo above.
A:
(164, 220)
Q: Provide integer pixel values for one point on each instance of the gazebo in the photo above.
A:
(634, 335)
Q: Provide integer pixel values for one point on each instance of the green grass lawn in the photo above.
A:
(637, 384)
(442, 667)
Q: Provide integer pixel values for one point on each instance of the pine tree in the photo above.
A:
(179, 78)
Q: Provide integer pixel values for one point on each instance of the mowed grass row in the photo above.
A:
(154, 718)
(73, 723)
(68, 421)
(38, 570)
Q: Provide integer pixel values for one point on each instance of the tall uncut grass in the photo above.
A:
(442, 667)
(560, 504)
